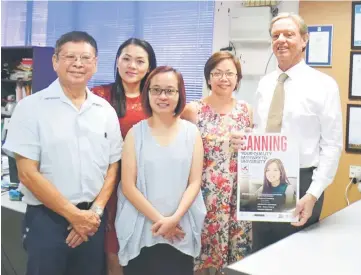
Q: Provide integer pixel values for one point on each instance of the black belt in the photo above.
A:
(84, 205)
(308, 169)
(81, 205)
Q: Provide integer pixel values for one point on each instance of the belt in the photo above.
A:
(84, 205)
(308, 169)
(81, 205)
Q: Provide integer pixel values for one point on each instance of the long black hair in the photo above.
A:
(117, 93)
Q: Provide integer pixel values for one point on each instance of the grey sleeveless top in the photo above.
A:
(162, 177)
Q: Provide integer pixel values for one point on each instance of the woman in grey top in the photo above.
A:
(160, 207)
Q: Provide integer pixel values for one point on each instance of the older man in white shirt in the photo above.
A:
(67, 144)
(304, 103)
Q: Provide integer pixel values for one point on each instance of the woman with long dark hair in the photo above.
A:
(135, 59)
(276, 182)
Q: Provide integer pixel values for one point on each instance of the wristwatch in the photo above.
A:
(97, 210)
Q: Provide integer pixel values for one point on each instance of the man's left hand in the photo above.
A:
(74, 239)
(304, 209)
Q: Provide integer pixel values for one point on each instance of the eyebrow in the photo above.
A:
(138, 57)
(169, 86)
(228, 70)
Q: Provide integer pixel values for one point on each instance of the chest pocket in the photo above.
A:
(96, 140)
(99, 151)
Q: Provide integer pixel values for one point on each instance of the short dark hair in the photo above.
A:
(215, 59)
(181, 90)
(117, 93)
(75, 36)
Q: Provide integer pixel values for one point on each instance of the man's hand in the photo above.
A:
(74, 239)
(165, 226)
(304, 209)
(237, 139)
(85, 224)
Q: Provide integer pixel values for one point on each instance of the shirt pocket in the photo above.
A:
(100, 151)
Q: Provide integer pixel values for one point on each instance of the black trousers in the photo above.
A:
(44, 235)
(266, 233)
(160, 259)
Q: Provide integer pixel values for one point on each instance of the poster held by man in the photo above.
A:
(268, 178)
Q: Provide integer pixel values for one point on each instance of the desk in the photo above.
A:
(17, 206)
(13, 256)
(330, 247)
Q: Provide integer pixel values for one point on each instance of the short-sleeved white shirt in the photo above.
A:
(73, 147)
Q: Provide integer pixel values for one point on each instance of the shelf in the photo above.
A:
(251, 41)
(14, 81)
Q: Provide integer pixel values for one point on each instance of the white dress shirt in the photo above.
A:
(312, 115)
(73, 147)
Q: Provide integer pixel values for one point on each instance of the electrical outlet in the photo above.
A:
(355, 172)
(359, 187)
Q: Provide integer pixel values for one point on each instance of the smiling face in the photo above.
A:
(287, 43)
(133, 64)
(167, 101)
(223, 78)
(75, 63)
(273, 174)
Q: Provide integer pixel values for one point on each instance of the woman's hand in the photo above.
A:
(168, 228)
(175, 235)
(237, 138)
(164, 226)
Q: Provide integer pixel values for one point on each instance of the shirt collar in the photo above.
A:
(55, 91)
(294, 71)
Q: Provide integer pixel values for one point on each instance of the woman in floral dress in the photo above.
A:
(224, 239)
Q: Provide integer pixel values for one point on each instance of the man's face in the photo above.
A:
(287, 42)
(75, 63)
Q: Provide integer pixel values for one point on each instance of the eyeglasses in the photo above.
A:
(159, 91)
(71, 58)
(219, 75)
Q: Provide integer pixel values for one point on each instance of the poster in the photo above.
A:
(268, 178)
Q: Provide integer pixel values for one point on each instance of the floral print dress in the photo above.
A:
(224, 239)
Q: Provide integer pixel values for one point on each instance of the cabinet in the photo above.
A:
(42, 68)
(39, 74)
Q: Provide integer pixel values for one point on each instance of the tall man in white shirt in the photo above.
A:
(305, 103)
(67, 144)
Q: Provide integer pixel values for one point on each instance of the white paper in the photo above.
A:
(356, 75)
(318, 47)
(357, 26)
(354, 137)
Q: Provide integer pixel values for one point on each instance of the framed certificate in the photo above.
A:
(319, 46)
(354, 89)
(353, 129)
(356, 26)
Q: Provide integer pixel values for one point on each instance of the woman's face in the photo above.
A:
(223, 78)
(273, 174)
(163, 93)
(133, 64)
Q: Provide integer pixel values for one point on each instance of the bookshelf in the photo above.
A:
(39, 63)
(42, 68)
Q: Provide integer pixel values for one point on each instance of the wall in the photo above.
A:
(221, 37)
(337, 13)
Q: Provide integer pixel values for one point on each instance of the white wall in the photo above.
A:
(256, 54)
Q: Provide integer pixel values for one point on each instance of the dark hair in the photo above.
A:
(75, 36)
(215, 59)
(181, 90)
(283, 177)
(117, 94)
